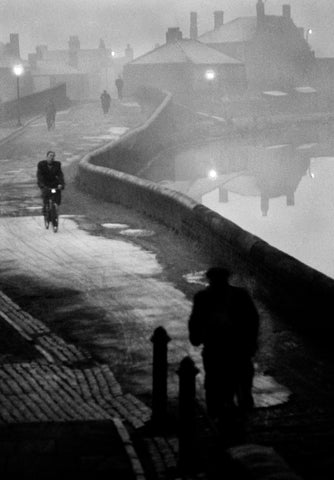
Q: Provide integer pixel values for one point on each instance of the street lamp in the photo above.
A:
(18, 71)
(309, 31)
(210, 76)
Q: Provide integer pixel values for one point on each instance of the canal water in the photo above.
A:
(278, 186)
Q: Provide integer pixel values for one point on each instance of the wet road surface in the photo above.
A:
(110, 276)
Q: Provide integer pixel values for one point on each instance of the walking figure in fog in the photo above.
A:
(225, 321)
(105, 101)
(119, 85)
(50, 114)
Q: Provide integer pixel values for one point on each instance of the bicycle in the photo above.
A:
(50, 210)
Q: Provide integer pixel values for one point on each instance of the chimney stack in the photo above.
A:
(14, 44)
(173, 35)
(40, 51)
(218, 17)
(286, 11)
(193, 26)
(129, 53)
(32, 59)
(74, 47)
(260, 11)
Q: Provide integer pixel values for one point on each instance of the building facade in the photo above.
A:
(185, 66)
(274, 50)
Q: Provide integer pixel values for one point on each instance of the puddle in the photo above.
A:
(131, 104)
(196, 277)
(269, 393)
(118, 130)
(132, 232)
(114, 225)
(99, 137)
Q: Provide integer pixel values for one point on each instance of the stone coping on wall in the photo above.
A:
(228, 244)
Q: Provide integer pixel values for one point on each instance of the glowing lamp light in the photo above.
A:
(18, 70)
(309, 31)
(212, 174)
(113, 54)
(210, 74)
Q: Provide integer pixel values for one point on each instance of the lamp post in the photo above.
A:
(210, 76)
(18, 71)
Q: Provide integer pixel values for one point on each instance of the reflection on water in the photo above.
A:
(279, 188)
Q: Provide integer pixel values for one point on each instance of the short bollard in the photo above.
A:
(187, 419)
(160, 340)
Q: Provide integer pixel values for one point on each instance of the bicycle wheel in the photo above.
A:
(54, 217)
(47, 216)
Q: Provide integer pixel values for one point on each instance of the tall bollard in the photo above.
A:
(160, 340)
(187, 421)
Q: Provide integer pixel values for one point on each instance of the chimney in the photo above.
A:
(32, 59)
(193, 26)
(286, 11)
(260, 11)
(129, 53)
(40, 51)
(74, 47)
(173, 35)
(218, 17)
(14, 45)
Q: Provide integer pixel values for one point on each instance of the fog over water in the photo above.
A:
(297, 177)
(143, 23)
(305, 230)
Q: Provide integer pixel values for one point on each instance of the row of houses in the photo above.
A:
(259, 53)
(86, 72)
(256, 53)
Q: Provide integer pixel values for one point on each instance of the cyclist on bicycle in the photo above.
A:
(50, 175)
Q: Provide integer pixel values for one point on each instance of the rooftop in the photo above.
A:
(185, 51)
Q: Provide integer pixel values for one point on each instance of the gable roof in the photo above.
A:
(241, 29)
(184, 51)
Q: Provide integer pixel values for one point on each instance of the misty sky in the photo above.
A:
(143, 23)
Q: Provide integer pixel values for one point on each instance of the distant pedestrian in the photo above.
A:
(119, 85)
(225, 321)
(50, 114)
(105, 101)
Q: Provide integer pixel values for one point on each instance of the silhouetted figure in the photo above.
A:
(105, 101)
(119, 85)
(225, 321)
(50, 114)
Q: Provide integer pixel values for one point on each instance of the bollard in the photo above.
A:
(160, 340)
(187, 421)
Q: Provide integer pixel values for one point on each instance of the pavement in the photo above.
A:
(62, 410)
(77, 310)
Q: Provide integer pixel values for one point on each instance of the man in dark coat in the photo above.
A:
(50, 175)
(225, 321)
(105, 101)
(119, 85)
(50, 114)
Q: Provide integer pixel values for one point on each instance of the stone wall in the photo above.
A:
(34, 104)
(301, 292)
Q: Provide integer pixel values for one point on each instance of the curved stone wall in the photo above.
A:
(300, 290)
